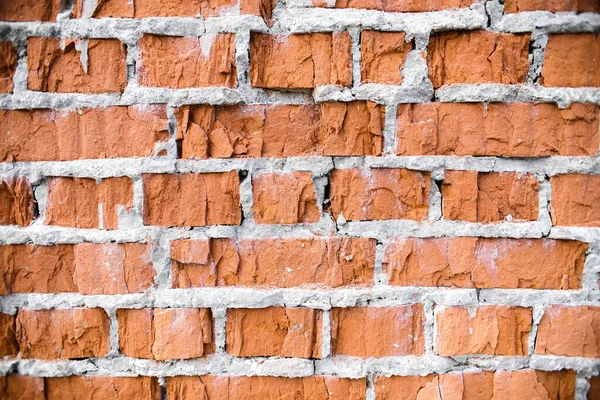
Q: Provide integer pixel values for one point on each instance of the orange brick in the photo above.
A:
(513, 6)
(274, 331)
(579, 54)
(17, 204)
(8, 339)
(18, 387)
(575, 200)
(383, 56)
(399, 5)
(8, 65)
(150, 8)
(29, 10)
(102, 387)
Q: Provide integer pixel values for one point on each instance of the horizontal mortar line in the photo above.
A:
(342, 366)
(558, 22)
(246, 297)
(319, 165)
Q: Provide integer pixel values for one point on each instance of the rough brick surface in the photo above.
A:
(300, 61)
(8, 339)
(485, 263)
(377, 331)
(76, 65)
(399, 5)
(22, 387)
(569, 331)
(330, 262)
(274, 331)
(29, 10)
(84, 203)
(187, 62)
(572, 60)
(166, 334)
(493, 57)
(57, 334)
(261, 387)
(17, 205)
(514, 6)
(498, 129)
(192, 199)
(111, 132)
(382, 56)
(284, 198)
(149, 8)
(332, 129)
(575, 200)
(490, 197)
(494, 330)
(8, 66)
(360, 195)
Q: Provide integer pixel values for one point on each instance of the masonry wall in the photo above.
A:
(349, 199)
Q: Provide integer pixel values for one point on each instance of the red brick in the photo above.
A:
(274, 331)
(490, 197)
(102, 387)
(572, 60)
(383, 56)
(76, 65)
(187, 62)
(513, 6)
(22, 387)
(263, 8)
(29, 10)
(301, 61)
(486, 263)
(326, 262)
(400, 5)
(493, 330)
(8, 65)
(150, 8)
(498, 129)
(265, 387)
(492, 57)
(377, 331)
(284, 198)
(380, 193)
(17, 204)
(56, 334)
(37, 269)
(569, 331)
(8, 339)
(166, 334)
(113, 268)
(594, 390)
(575, 200)
(76, 202)
(192, 199)
(111, 132)
(522, 384)
(281, 130)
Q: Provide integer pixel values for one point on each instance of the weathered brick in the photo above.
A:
(490, 197)
(70, 333)
(265, 387)
(274, 331)
(263, 8)
(187, 62)
(29, 10)
(497, 129)
(166, 334)
(83, 203)
(76, 65)
(575, 200)
(492, 57)
(150, 8)
(22, 387)
(382, 56)
(377, 331)
(569, 331)
(281, 130)
(380, 193)
(493, 330)
(326, 262)
(399, 5)
(8, 339)
(111, 132)
(102, 387)
(284, 198)
(192, 199)
(572, 60)
(8, 65)
(17, 204)
(594, 390)
(301, 61)
(513, 6)
(485, 263)
(522, 384)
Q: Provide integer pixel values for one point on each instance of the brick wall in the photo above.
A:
(250, 199)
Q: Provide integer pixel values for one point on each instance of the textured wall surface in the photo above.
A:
(256, 199)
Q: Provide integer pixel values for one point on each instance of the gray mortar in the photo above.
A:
(298, 16)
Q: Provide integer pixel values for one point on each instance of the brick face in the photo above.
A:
(400, 6)
(575, 200)
(8, 66)
(577, 53)
(383, 56)
(17, 204)
(29, 10)
(514, 6)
